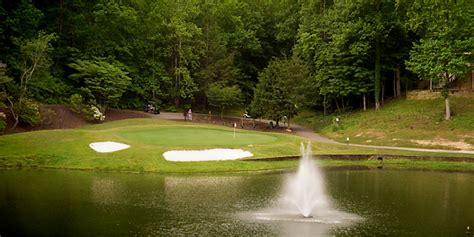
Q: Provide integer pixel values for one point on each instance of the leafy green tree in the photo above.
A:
(104, 80)
(444, 52)
(4, 78)
(223, 97)
(183, 47)
(278, 92)
(336, 44)
(35, 59)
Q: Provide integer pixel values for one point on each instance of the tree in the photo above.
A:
(336, 44)
(444, 52)
(4, 78)
(278, 92)
(104, 80)
(35, 58)
(223, 97)
(183, 47)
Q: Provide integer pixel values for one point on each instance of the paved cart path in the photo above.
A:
(311, 135)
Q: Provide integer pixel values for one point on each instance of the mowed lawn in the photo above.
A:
(149, 139)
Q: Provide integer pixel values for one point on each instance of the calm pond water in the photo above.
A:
(80, 203)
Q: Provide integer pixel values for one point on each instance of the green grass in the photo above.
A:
(401, 123)
(194, 136)
(150, 138)
(403, 164)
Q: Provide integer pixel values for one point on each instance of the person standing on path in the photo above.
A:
(190, 115)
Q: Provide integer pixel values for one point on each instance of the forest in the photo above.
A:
(271, 57)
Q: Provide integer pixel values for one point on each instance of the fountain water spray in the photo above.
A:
(305, 190)
(304, 195)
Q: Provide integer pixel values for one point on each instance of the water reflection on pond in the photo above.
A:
(391, 202)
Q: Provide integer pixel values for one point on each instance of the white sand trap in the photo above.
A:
(108, 146)
(206, 155)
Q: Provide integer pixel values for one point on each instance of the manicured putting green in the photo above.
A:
(195, 136)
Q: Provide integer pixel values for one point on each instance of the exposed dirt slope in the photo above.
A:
(61, 117)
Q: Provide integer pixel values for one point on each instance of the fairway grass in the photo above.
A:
(150, 138)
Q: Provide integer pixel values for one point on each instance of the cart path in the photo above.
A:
(311, 135)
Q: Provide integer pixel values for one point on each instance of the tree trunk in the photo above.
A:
(364, 102)
(337, 105)
(15, 115)
(288, 124)
(431, 85)
(377, 73)
(448, 109)
(397, 80)
(394, 86)
(383, 93)
(324, 105)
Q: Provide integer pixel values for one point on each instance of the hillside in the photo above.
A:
(407, 123)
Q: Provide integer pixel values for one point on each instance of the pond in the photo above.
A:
(83, 203)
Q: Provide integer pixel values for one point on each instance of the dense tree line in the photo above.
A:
(330, 55)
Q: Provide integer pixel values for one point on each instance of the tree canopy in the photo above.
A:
(355, 53)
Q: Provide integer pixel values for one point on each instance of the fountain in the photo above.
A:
(305, 190)
(304, 200)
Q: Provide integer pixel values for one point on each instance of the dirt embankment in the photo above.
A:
(241, 123)
(61, 117)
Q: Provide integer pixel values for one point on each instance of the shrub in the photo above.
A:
(77, 103)
(30, 113)
(3, 117)
(93, 113)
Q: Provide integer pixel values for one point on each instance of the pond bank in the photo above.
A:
(362, 157)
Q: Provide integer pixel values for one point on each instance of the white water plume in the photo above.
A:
(305, 190)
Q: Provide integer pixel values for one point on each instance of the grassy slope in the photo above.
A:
(401, 122)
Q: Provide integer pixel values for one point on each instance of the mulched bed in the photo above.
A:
(61, 117)
(247, 124)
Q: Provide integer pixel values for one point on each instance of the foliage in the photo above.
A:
(223, 96)
(280, 89)
(77, 103)
(29, 112)
(91, 112)
(173, 50)
(104, 80)
(4, 78)
(3, 124)
(34, 60)
(444, 52)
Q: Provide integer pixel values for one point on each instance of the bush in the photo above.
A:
(92, 113)
(77, 103)
(3, 124)
(30, 113)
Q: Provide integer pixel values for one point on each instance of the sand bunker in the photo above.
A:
(206, 155)
(108, 146)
